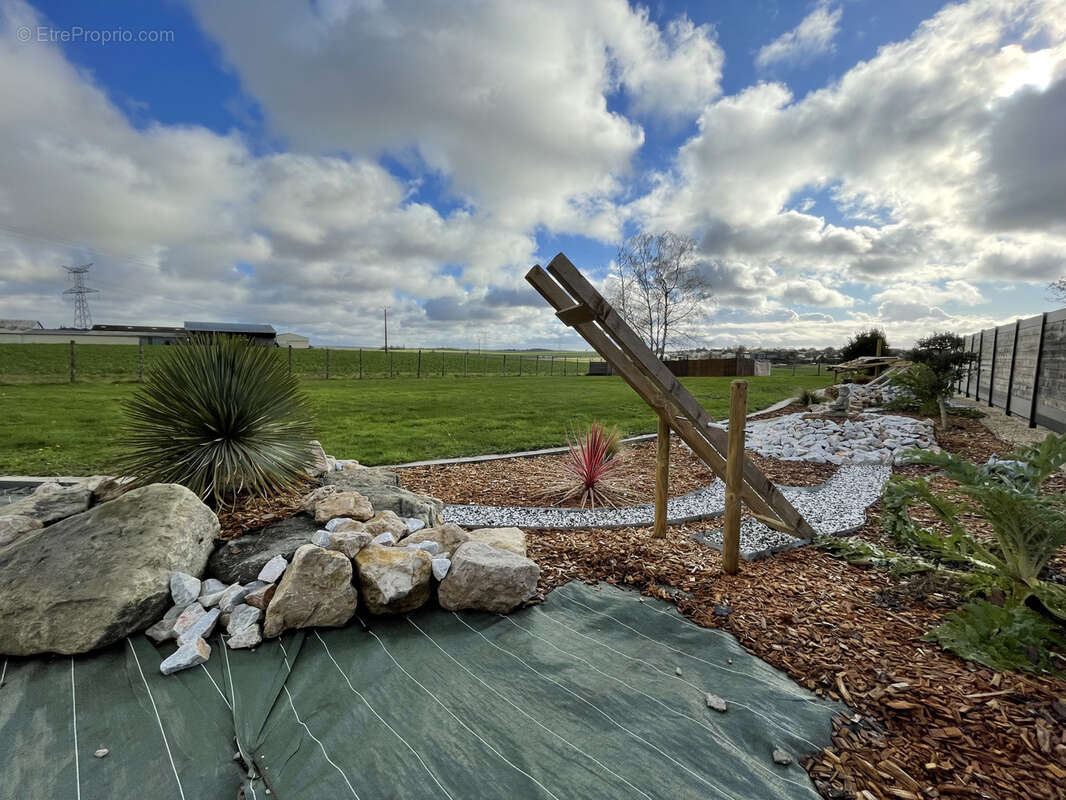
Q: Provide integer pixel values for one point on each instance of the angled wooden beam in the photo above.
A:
(684, 404)
(575, 315)
(645, 386)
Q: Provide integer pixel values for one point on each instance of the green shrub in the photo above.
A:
(807, 397)
(999, 637)
(922, 383)
(221, 416)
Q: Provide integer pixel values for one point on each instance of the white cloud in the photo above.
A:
(814, 35)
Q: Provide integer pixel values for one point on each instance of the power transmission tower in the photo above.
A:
(83, 320)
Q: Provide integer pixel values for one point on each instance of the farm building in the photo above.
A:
(293, 340)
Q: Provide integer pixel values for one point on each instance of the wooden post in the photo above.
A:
(443, 361)
(880, 344)
(140, 359)
(418, 374)
(290, 359)
(360, 363)
(389, 354)
(466, 362)
(551, 369)
(980, 357)
(1010, 375)
(73, 370)
(504, 370)
(1036, 372)
(662, 477)
(734, 476)
(520, 366)
(327, 363)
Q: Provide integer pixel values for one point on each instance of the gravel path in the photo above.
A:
(836, 506)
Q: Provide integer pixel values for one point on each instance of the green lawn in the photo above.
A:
(57, 429)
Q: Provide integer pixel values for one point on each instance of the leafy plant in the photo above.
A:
(590, 462)
(221, 416)
(921, 382)
(1028, 524)
(807, 397)
(1000, 637)
(940, 362)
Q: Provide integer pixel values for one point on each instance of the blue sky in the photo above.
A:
(841, 163)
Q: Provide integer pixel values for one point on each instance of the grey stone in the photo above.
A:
(163, 630)
(430, 547)
(319, 463)
(202, 628)
(382, 488)
(191, 654)
(348, 543)
(50, 507)
(414, 524)
(101, 753)
(232, 597)
(385, 538)
(486, 578)
(333, 523)
(316, 591)
(342, 504)
(209, 587)
(441, 567)
(782, 757)
(184, 588)
(14, 525)
(188, 617)
(321, 538)
(241, 617)
(47, 488)
(92, 579)
(393, 580)
(273, 569)
(716, 703)
(250, 636)
(239, 560)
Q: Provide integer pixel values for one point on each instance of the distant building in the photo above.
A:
(146, 334)
(293, 340)
(259, 334)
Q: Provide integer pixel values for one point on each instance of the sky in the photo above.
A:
(840, 163)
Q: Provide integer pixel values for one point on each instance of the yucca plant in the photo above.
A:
(590, 462)
(220, 416)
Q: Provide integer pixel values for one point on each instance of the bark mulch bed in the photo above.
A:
(925, 724)
(520, 481)
(252, 513)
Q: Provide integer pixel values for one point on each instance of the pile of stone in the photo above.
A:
(394, 564)
(866, 439)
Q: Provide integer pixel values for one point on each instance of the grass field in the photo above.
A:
(50, 429)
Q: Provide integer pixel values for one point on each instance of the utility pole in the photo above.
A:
(82, 318)
(386, 308)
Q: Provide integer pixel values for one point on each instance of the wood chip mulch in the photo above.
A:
(521, 481)
(251, 513)
(925, 723)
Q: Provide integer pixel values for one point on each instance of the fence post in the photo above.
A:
(992, 366)
(1036, 372)
(980, 356)
(443, 361)
(1010, 375)
(466, 362)
(360, 363)
(73, 370)
(734, 476)
(485, 366)
(520, 366)
(504, 370)
(418, 374)
(662, 477)
(140, 359)
(290, 359)
(819, 367)
(390, 362)
(551, 369)
(327, 363)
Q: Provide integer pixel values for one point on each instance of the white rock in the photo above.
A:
(414, 525)
(233, 596)
(249, 636)
(273, 569)
(241, 617)
(321, 537)
(202, 628)
(385, 538)
(782, 757)
(184, 588)
(188, 617)
(441, 567)
(163, 630)
(716, 703)
(430, 547)
(333, 523)
(191, 654)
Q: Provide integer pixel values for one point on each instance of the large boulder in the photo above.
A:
(392, 580)
(14, 525)
(101, 575)
(448, 536)
(315, 591)
(382, 488)
(386, 522)
(512, 539)
(350, 505)
(50, 506)
(486, 578)
(239, 560)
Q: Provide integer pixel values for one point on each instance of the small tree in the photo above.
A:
(1058, 290)
(945, 360)
(864, 343)
(658, 287)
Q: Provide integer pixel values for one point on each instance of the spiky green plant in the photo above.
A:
(221, 416)
(1029, 524)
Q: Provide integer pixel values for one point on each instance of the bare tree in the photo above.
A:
(658, 288)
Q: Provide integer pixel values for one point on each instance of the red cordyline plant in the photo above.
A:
(590, 462)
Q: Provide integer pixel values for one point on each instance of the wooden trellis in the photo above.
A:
(578, 304)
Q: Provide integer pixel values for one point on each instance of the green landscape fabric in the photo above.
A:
(596, 693)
